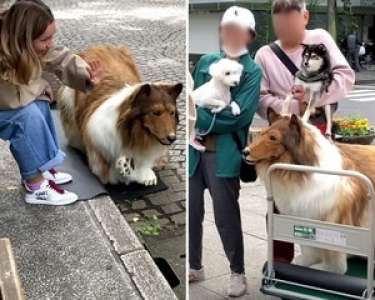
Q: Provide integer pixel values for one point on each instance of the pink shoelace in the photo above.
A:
(55, 187)
(53, 171)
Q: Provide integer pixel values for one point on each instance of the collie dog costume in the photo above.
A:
(328, 198)
(123, 125)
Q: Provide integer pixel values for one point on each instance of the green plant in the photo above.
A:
(148, 226)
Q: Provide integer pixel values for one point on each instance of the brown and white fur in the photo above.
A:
(123, 125)
(328, 198)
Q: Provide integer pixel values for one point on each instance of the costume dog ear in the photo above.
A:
(140, 96)
(175, 90)
(295, 127)
(144, 90)
(172, 89)
(133, 107)
(272, 116)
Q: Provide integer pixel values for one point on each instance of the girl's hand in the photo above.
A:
(96, 71)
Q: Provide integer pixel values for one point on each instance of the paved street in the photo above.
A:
(361, 101)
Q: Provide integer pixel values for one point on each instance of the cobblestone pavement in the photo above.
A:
(154, 30)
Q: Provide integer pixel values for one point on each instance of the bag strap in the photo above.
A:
(237, 140)
(284, 58)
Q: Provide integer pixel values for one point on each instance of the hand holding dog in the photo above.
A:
(235, 108)
(301, 95)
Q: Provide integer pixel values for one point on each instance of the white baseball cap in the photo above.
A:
(240, 16)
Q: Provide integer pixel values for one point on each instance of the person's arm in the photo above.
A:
(197, 76)
(71, 69)
(343, 75)
(247, 97)
(267, 98)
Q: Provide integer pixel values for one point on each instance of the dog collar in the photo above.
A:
(318, 77)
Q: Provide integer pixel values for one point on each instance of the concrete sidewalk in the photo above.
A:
(253, 211)
(83, 251)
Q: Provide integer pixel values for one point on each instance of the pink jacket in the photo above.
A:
(277, 81)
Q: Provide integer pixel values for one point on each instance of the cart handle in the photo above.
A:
(311, 169)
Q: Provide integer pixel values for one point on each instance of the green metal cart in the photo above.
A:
(289, 281)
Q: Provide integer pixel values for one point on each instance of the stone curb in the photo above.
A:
(137, 262)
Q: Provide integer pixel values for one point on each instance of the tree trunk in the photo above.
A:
(331, 12)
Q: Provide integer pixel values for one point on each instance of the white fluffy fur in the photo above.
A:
(314, 64)
(321, 189)
(102, 124)
(318, 196)
(215, 94)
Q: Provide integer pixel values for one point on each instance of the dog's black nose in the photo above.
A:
(171, 138)
(246, 151)
(306, 63)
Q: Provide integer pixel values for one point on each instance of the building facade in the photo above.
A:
(205, 17)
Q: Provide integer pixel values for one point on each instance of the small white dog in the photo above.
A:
(215, 94)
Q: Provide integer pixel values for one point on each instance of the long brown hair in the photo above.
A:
(20, 25)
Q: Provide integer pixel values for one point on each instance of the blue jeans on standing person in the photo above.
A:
(32, 136)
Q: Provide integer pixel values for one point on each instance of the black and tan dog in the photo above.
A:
(315, 75)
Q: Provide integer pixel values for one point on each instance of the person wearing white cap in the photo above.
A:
(218, 168)
(237, 31)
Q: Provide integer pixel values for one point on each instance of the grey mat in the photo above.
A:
(86, 185)
(119, 192)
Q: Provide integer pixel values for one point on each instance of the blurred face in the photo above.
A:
(45, 41)
(234, 37)
(290, 26)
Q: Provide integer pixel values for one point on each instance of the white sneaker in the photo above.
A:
(50, 194)
(237, 285)
(57, 177)
(196, 275)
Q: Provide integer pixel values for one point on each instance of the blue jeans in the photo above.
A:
(32, 136)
